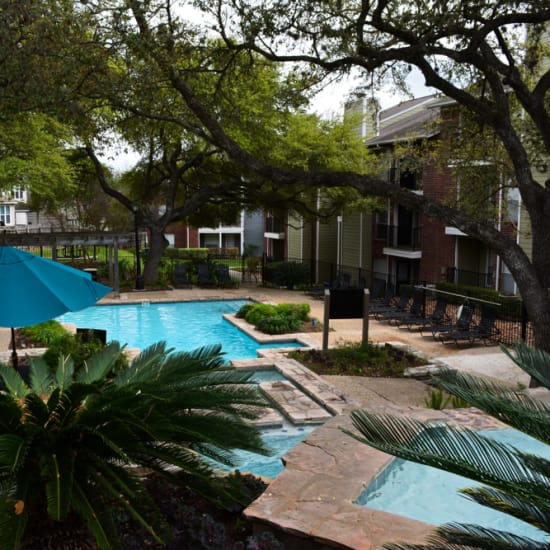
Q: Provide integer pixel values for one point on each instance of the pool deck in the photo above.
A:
(310, 504)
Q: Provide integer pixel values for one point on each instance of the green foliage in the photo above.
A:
(243, 310)
(75, 440)
(357, 359)
(286, 274)
(437, 400)
(258, 311)
(194, 254)
(34, 151)
(275, 319)
(511, 305)
(44, 333)
(516, 481)
(278, 324)
(71, 344)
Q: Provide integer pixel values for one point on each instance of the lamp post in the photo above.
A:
(139, 278)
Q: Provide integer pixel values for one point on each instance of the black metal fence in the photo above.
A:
(512, 323)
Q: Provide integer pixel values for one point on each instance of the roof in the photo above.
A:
(410, 118)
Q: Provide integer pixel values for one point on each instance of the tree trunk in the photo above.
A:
(157, 245)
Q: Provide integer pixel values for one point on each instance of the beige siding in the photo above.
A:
(294, 237)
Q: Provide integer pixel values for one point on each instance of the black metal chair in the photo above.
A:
(400, 305)
(180, 276)
(415, 310)
(463, 322)
(204, 276)
(223, 276)
(438, 316)
(484, 331)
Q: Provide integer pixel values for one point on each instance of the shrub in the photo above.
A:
(288, 274)
(259, 311)
(44, 333)
(278, 324)
(277, 319)
(74, 442)
(243, 311)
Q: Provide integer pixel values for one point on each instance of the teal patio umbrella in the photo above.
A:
(35, 289)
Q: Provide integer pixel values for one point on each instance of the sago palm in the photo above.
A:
(79, 441)
(515, 482)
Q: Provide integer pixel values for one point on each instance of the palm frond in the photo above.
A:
(463, 452)
(11, 450)
(64, 372)
(100, 364)
(519, 508)
(129, 494)
(98, 517)
(40, 376)
(145, 366)
(12, 520)
(475, 536)
(514, 408)
(15, 385)
(533, 361)
(57, 469)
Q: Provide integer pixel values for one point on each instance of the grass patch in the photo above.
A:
(358, 360)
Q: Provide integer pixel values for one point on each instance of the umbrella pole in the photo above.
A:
(14, 351)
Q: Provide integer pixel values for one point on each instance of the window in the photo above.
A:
(18, 193)
(5, 214)
(512, 199)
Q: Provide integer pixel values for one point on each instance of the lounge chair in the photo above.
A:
(466, 313)
(400, 305)
(204, 276)
(415, 310)
(385, 302)
(378, 289)
(438, 317)
(180, 276)
(223, 277)
(483, 331)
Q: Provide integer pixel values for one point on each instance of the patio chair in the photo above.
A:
(378, 289)
(384, 302)
(223, 276)
(439, 316)
(401, 305)
(415, 310)
(204, 276)
(180, 276)
(483, 331)
(466, 313)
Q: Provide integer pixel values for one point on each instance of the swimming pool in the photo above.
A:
(430, 495)
(182, 325)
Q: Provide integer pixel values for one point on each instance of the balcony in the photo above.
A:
(274, 228)
(401, 240)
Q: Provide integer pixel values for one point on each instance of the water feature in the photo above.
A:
(430, 495)
(182, 325)
(280, 441)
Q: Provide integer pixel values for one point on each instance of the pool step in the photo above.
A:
(294, 404)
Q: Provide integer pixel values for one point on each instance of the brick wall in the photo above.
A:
(438, 249)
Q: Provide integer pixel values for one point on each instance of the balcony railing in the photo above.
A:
(469, 278)
(274, 225)
(399, 236)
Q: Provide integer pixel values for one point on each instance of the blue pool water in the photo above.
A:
(430, 495)
(280, 441)
(183, 325)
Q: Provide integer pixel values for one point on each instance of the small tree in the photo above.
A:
(74, 442)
